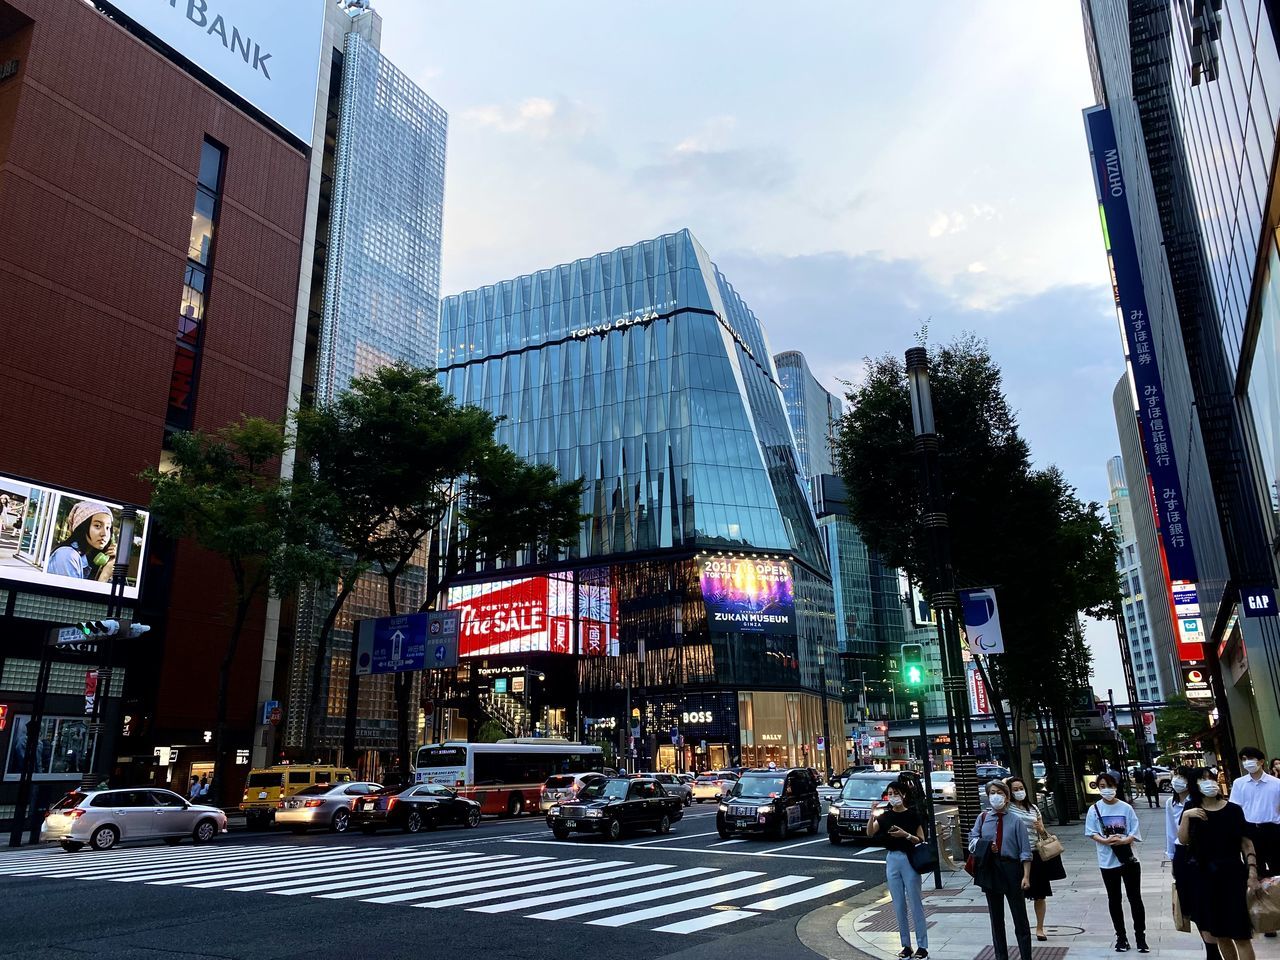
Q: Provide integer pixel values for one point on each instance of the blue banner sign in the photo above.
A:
(392, 644)
(1131, 300)
(1258, 601)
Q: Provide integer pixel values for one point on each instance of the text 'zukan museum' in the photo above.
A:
(697, 595)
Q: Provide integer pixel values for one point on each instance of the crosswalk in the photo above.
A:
(597, 892)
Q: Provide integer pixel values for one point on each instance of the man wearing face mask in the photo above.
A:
(1113, 825)
(1257, 793)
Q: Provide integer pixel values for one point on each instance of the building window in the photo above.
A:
(204, 217)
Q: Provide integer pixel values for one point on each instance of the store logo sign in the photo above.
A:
(1258, 601)
(8, 68)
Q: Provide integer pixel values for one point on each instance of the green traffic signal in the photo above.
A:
(913, 672)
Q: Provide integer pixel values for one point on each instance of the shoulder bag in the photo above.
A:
(971, 862)
(924, 857)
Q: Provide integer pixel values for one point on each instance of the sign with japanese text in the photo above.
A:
(1144, 366)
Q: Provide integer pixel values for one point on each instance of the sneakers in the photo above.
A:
(1122, 945)
(904, 953)
(1141, 940)
(921, 953)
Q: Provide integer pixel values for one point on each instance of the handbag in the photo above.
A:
(924, 857)
(1180, 920)
(1264, 906)
(1049, 847)
(971, 861)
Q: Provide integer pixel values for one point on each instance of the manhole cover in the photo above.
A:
(1052, 931)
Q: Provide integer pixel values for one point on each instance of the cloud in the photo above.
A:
(538, 117)
(709, 161)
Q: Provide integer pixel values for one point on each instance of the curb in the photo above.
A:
(820, 930)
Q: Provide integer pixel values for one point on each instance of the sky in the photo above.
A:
(857, 170)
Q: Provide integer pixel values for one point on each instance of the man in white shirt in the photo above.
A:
(1257, 793)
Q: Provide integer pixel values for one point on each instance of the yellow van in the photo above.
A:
(266, 787)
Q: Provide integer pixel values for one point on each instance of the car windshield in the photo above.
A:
(69, 801)
(942, 776)
(761, 785)
(871, 788)
(708, 778)
(604, 789)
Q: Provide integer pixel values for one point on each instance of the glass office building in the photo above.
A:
(643, 372)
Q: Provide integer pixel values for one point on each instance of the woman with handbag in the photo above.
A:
(1186, 878)
(1113, 825)
(900, 831)
(1043, 869)
(1218, 836)
(1001, 853)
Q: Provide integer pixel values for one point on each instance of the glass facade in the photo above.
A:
(812, 410)
(1263, 389)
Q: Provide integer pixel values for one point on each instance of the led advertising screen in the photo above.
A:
(534, 615)
(55, 538)
(748, 594)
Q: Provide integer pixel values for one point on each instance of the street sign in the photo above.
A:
(276, 716)
(69, 635)
(822, 743)
(267, 708)
(391, 644)
(442, 638)
(675, 735)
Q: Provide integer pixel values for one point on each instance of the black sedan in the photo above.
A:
(423, 806)
(609, 807)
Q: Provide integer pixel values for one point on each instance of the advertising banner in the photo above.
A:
(1195, 681)
(982, 621)
(748, 594)
(268, 53)
(1144, 367)
(54, 538)
(979, 702)
(534, 615)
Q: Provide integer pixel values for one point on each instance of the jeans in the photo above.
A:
(1131, 875)
(904, 887)
(1012, 893)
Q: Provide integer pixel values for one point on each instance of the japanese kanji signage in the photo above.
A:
(1144, 365)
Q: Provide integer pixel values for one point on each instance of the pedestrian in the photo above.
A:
(1001, 850)
(193, 790)
(87, 551)
(1218, 836)
(1042, 871)
(204, 787)
(1151, 787)
(902, 830)
(1275, 767)
(1186, 878)
(1257, 793)
(1113, 825)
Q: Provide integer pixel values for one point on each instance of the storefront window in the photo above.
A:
(1264, 387)
(62, 748)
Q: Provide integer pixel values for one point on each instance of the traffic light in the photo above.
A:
(913, 673)
(93, 629)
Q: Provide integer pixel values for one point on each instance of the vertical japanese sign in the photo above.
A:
(1144, 365)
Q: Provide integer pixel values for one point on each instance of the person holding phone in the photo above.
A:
(1223, 855)
(87, 553)
(1113, 825)
(900, 830)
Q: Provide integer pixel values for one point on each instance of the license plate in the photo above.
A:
(262, 795)
(571, 823)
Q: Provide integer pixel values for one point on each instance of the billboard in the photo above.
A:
(748, 594)
(534, 615)
(51, 537)
(268, 53)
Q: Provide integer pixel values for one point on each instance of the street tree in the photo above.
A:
(224, 492)
(1178, 724)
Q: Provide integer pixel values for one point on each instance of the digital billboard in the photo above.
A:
(534, 615)
(748, 594)
(54, 538)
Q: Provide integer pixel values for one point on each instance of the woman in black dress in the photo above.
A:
(1042, 871)
(1223, 856)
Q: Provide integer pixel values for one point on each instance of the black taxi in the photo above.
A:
(771, 802)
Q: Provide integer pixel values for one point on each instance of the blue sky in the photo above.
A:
(855, 169)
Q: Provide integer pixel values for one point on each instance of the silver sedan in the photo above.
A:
(104, 818)
(324, 805)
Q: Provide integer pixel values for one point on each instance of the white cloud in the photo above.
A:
(538, 117)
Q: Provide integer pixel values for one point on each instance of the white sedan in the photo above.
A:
(713, 785)
(944, 785)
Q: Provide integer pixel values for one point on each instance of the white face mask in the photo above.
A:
(997, 801)
(1209, 788)
(1179, 785)
(1019, 795)
(1108, 793)
(1251, 766)
(895, 800)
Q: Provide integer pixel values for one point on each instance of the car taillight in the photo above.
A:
(391, 803)
(314, 803)
(75, 814)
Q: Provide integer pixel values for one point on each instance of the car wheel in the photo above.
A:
(560, 833)
(780, 832)
(341, 820)
(835, 838)
(413, 822)
(72, 846)
(205, 831)
(104, 838)
(664, 825)
(688, 800)
(515, 806)
(473, 817)
(614, 829)
(724, 834)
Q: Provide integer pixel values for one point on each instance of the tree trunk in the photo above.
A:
(224, 685)
(317, 710)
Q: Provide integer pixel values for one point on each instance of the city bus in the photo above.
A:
(504, 777)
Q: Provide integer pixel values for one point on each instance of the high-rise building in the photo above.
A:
(1190, 96)
(697, 588)
(812, 410)
(1148, 629)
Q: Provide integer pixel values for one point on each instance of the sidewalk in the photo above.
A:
(1077, 922)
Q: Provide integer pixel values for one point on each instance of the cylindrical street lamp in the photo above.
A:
(942, 586)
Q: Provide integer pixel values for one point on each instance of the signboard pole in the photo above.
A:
(34, 723)
(353, 701)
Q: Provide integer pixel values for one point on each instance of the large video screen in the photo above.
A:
(534, 615)
(748, 594)
(56, 538)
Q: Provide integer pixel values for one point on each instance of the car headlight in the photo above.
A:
(554, 811)
(724, 808)
(765, 808)
(595, 813)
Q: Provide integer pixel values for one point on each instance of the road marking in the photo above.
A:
(608, 904)
(313, 880)
(803, 843)
(94, 865)
(725, 843)
(489, 892)
(633, 884)
(721, 853)
(683, 836)
(270, 868)
(716, 918)
(136, 873)
(710, 900)
(812, 893)
(534, 870)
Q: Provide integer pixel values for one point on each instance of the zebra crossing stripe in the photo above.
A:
(710, 900)
(279, 866)
(490, 894)
(314, 870)
(526, 903)
(415, 891)
(424, 867)
(810, 893)
(721, 881)
(717, 918)
(102, 862)
(134, 871)
(429, 879)
(49, 859)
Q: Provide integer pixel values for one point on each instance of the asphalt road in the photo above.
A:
(507, 889)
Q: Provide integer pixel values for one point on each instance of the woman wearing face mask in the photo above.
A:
(1113, 825)
(87, 553)
(900, 830)
(1042, 872)
(1002, 850)
(1218, 836)
(1186, 878)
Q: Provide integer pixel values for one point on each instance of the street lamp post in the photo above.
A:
(943, 595)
